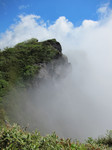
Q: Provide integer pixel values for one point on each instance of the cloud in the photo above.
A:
(104, 8)
(63, 30)
(30, 26)
(23, 7)
(86, 97)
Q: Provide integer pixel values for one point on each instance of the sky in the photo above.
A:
(21, 17)
(84, 29)
(49, 10)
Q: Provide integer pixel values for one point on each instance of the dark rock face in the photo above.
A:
(54, 43)
(55, 70)
(42, 65)
(29, 59)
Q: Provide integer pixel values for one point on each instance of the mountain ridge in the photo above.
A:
(28, 63)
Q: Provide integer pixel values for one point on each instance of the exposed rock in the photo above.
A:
(31, 62)
(54, 43)
(56, 69)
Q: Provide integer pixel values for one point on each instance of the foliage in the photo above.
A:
(3, 86)
(15, 138)
(22, 62)
(18, 66)
(106, 140)
(30, 71)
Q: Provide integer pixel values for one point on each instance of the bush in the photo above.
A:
(15, 138)
(30, 72)
(3, 87)
(106, 140)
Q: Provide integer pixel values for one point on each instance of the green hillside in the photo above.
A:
(19, 66)
(21, 63)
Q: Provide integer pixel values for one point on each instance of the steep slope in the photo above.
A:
(22, 68)
(27, 64)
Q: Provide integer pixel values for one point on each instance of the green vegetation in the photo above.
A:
(21, 63)
(15, 138)
(18, 67)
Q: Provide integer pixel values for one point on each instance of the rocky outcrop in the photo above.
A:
(54, 43)
(57, 68)
(24, 67)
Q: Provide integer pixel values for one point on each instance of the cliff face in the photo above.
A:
(57, 69)
(27, 65)
(22, 63)
(54, 69)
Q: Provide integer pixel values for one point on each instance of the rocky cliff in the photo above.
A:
(27, 65)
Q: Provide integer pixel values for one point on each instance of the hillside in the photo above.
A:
(22, 68)
(25, 65)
